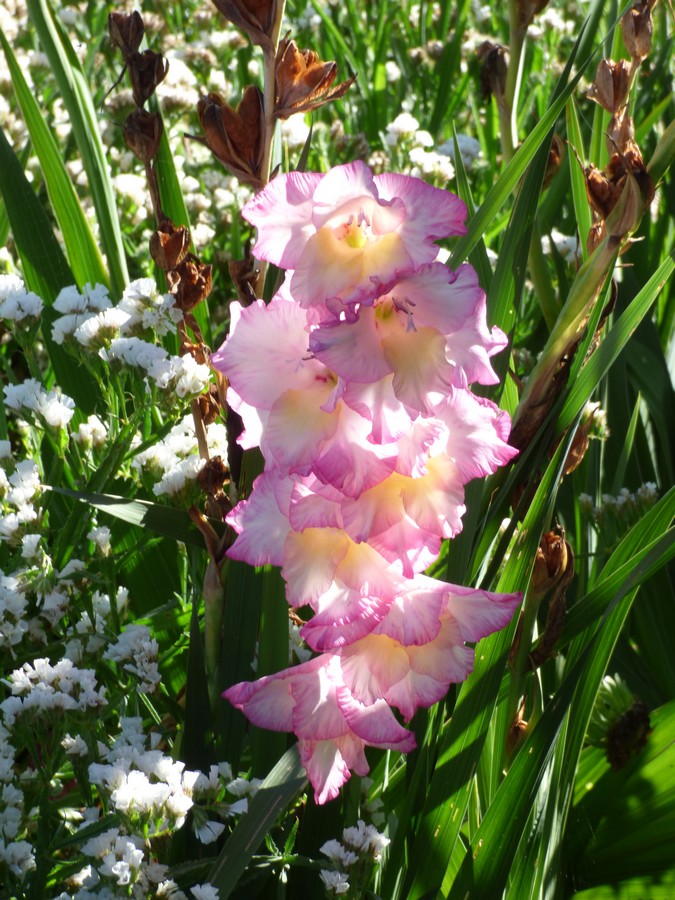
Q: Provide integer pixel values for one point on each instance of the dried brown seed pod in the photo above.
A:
(257, 18)
(303, 82)
(190, 283)
(146, 71)
(126, 31)
(555, 158)
(169, 244)
(234, 136)
(493, 70)
(636, 28)
(610, 87)
(602, 193)
(142, 134)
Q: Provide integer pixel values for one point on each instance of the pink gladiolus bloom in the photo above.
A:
(332, 725)
(349, 235)
(339, 702)
(429, 330)
(354, 382)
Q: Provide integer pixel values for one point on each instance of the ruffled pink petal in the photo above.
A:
(310, 562)
(254, 420)
(315, 505)
(326, 767)
(376, 401)
(278, 335)
(297, 426)
(374, 723)
(420, 368)
(352, 349)
(478, 431)
(316, 713)
(268, 702)
(480, 613)
(282, 213)
(431, 213)
(436, 500)
(261, 522)
(407, 547)
(345, 616)
(372, 665)
(414, 615)
(330, 268)
(349, 462)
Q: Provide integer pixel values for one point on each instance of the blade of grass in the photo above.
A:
(83, 253)
(582, 210)
(44, 267)
(78, 101)
(450, 786)
(275, 794)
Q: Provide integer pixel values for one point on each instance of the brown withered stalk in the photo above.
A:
(188, 279)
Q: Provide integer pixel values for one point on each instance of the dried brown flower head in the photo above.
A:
(142, 134)
(610, 87)
(169, 244)
(234, 136)
(258, 18)
(126, 31)
(303, 82)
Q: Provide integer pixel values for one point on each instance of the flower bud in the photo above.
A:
(258, 18)
(234, 136)
(146, 70)
(493, 70)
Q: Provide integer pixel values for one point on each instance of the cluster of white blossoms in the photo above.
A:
(19, 487)
(360, 847)
(617, 513)
(51, 408)
(174, 462)
(41, 688)
(16, 303)
(136, 651)
(16, 855)
(415, 147)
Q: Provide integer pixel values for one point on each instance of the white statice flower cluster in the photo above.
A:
(220, 794)
(135, 650)
(93, 322)
(615, 514)
(52, 408)
(101, 537)
(16, 303)
(174, 462)
(13, 609)
(404, 136)
(91, 435)
(19, 492)
(91, 632)
(42, 689)
(361, 845)
(469, 149)
(180, 375)
(77, 307)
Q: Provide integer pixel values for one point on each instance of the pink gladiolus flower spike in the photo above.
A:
(348, 235)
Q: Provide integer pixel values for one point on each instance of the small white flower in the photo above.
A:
(204, 892)
(97, 331)
(336, 883)
(468, 147)
(74, 746)
(404, 126)
(101, 537)
(392, 72)
(210, 831)
(91, 433)
(339, 854)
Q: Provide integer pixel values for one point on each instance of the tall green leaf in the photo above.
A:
(77, 98)
(83, 253)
